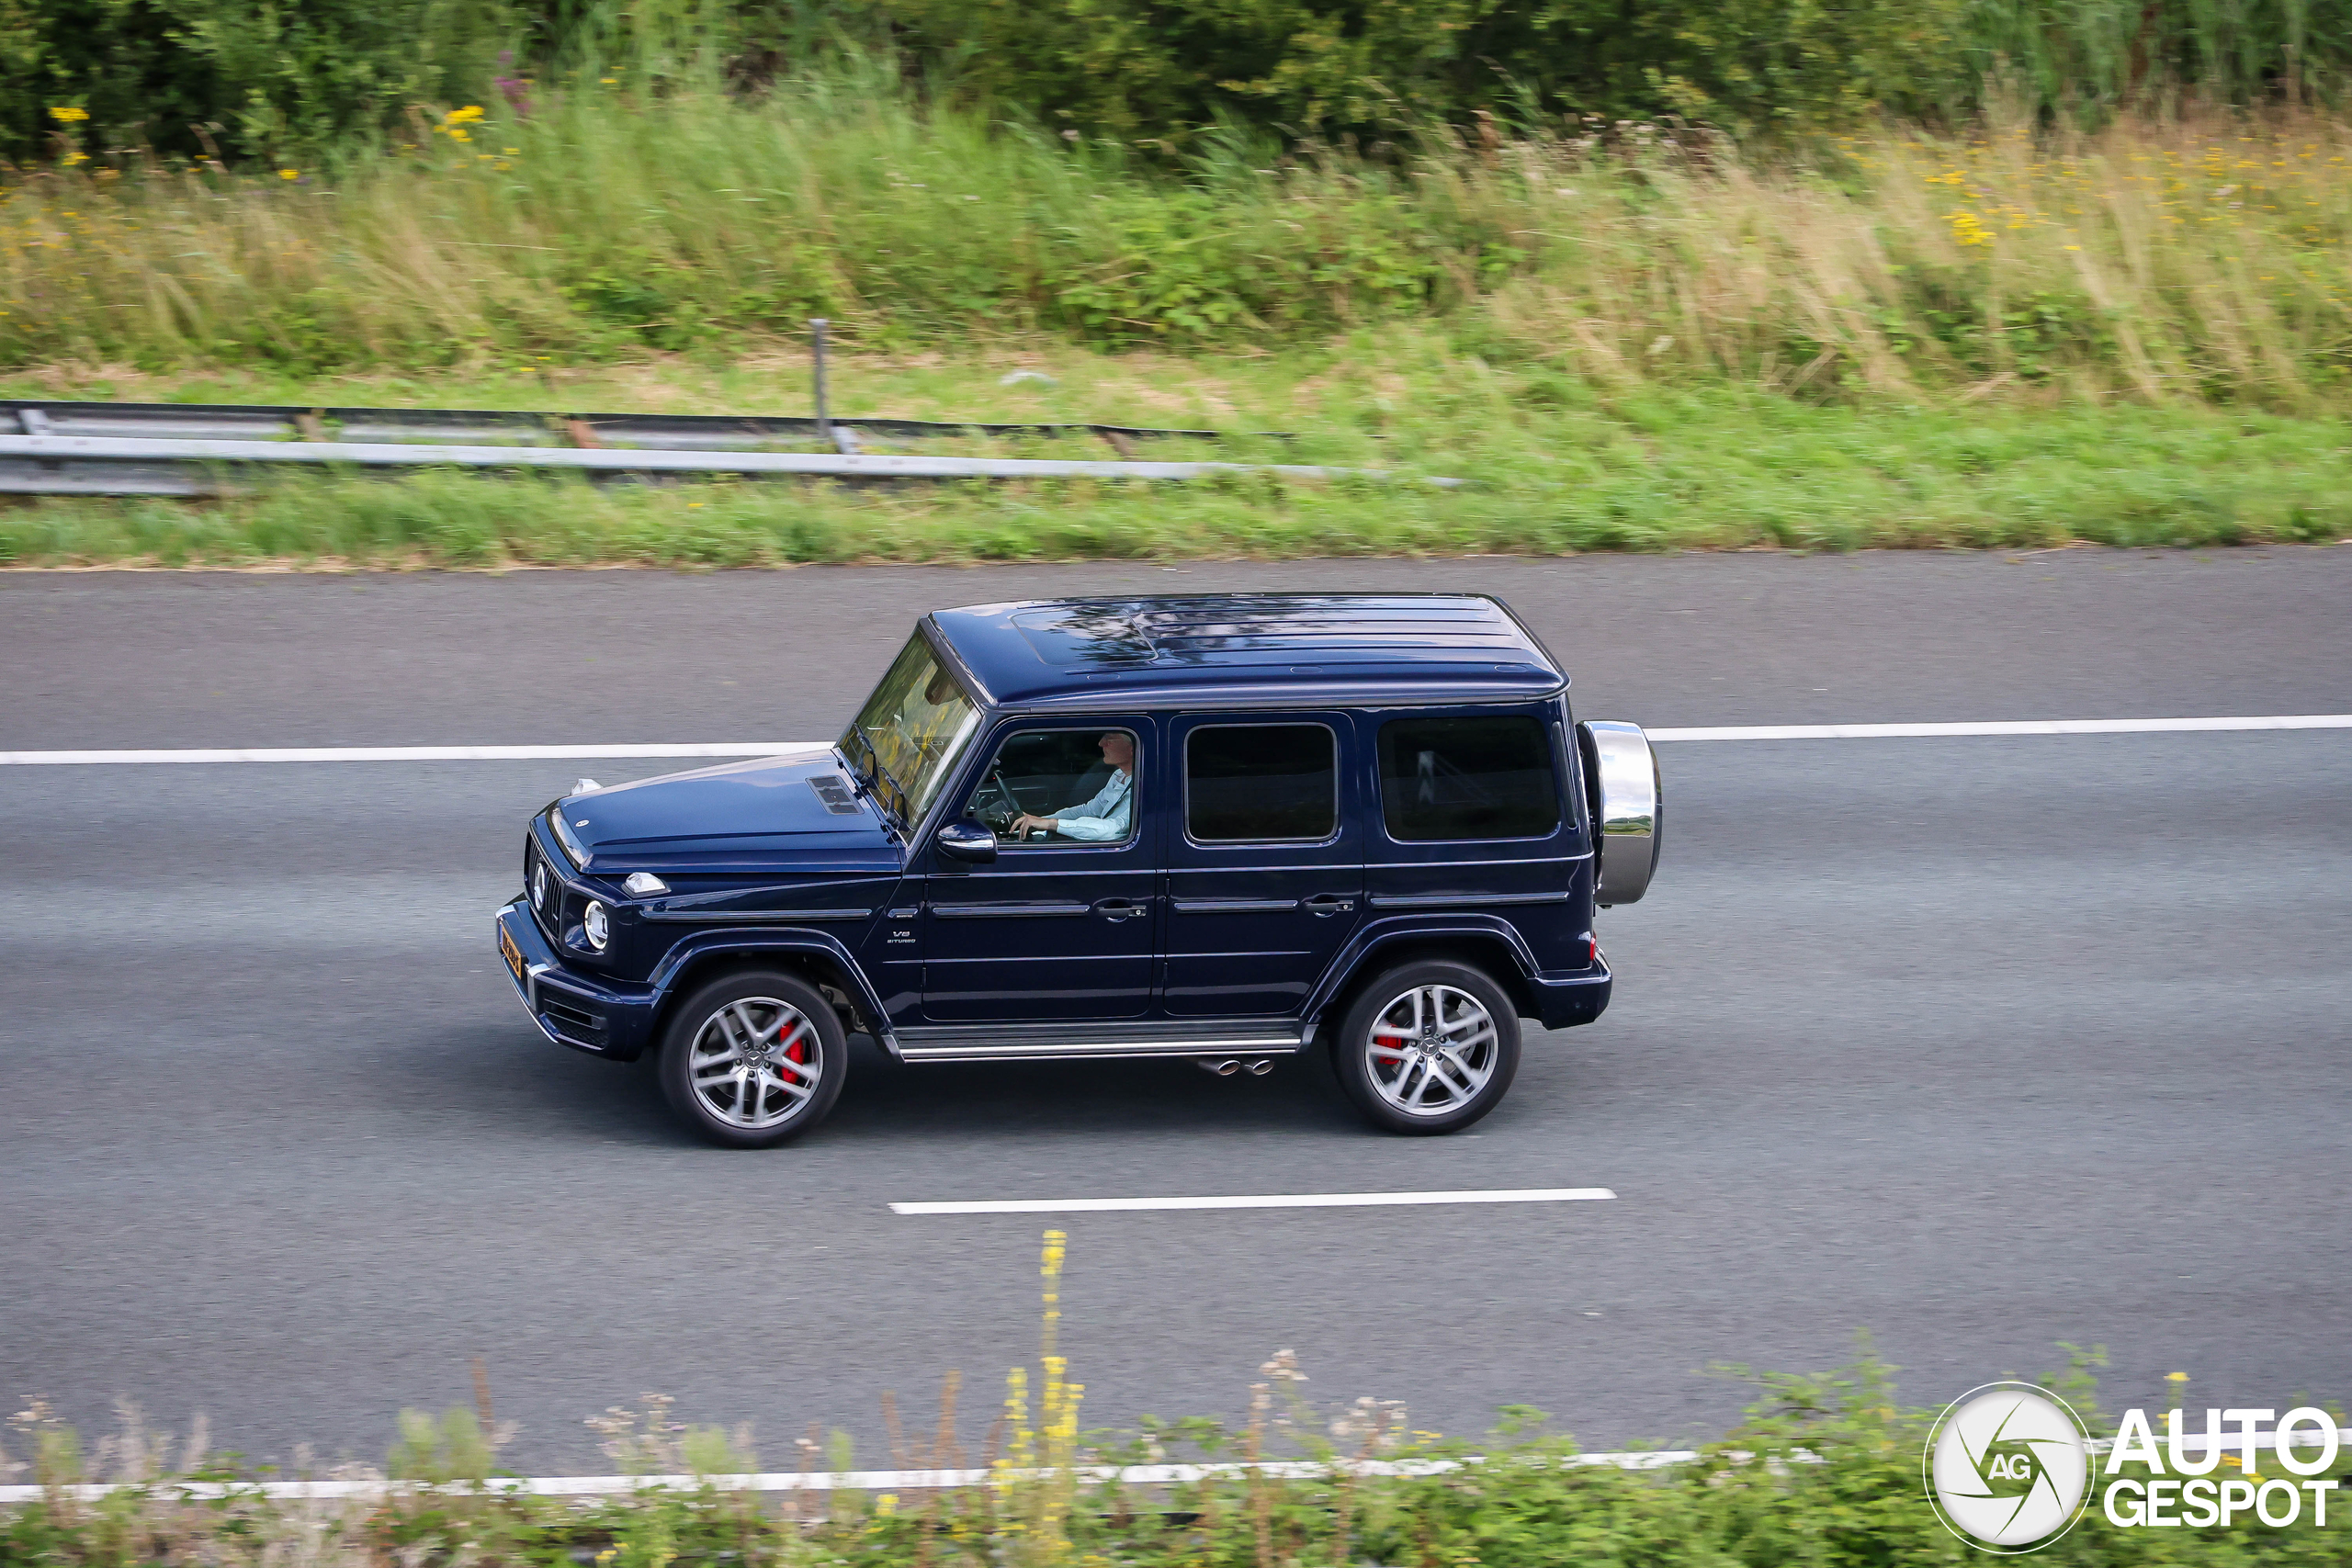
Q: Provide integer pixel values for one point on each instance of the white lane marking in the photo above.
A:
(814, 1480)
(1276, 1201)
(911, 1480)
(779, 747)
(2005, 727)
(417, 753)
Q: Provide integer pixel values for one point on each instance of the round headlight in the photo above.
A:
(539, 886)
(597, 926)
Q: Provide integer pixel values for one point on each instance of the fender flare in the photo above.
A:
(766, 940)
(1375, 935)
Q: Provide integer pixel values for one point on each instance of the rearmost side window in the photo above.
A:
(1467, 778)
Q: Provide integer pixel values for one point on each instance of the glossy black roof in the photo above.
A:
(1234, 648)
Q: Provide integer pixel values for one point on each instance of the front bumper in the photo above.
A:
(595, 1016)
(1566, 997)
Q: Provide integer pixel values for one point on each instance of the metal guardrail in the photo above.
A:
(187, 449)
(92, 464)
(646, 432)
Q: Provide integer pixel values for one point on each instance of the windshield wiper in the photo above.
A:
(857, 737)
(883, 775)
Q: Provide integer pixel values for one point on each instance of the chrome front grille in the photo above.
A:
(542, 889)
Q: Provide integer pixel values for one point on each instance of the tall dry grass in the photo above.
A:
(2194, 257)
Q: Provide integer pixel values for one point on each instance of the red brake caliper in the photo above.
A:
(796, 1052)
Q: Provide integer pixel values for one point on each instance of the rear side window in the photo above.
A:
(1467, 778)
(1246, 783)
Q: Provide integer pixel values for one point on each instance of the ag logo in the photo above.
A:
(2005, 1468)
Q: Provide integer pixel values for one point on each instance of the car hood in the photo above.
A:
(739, 816)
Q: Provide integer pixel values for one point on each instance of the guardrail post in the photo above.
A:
(817, 335)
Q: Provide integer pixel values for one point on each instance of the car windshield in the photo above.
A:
(911, 728)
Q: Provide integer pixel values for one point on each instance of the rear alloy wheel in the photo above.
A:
(1430, 1047)
(754, 1059)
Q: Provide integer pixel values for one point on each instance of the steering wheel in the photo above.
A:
(1006, 807)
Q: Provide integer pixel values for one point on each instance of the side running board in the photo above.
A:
(1017, 1044)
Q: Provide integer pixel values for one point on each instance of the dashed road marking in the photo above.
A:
(1271, 1200)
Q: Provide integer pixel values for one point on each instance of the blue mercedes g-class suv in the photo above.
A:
(1231, 828)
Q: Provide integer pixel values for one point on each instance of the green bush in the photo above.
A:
(250, 79)
(1152, 68)
(280, 79)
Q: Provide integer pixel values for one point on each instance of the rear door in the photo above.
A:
(1474, 817)
(1265, 860)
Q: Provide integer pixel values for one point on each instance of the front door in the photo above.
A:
(1063, 926)
(1265, 861)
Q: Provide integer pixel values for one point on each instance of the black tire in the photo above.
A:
(706, 1068)
(1408, 1061)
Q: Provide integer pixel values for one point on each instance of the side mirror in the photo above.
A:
(967, 841)
(1628, 801)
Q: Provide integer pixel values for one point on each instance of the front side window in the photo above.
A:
(1060, 786)
(1467, 778)
(911, 728)
(1261, 783)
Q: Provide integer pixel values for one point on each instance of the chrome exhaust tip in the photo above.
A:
(1260, 1067)
(1223, 1067)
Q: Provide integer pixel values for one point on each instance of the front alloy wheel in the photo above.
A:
(754, 1059)
(1429, 1048)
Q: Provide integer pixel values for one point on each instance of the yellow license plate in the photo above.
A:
(512, 954)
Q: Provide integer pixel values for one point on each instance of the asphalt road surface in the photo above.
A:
(1979, 1045)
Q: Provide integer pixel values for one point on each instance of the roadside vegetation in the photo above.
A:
(2200, 258)
(2125, 318)
(1823, 1471)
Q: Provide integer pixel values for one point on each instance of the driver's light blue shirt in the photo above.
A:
(1103, 818)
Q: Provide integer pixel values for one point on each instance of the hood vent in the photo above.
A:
(835, 795)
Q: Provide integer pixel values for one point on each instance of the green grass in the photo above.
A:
(2168, 261)
(1557, 465)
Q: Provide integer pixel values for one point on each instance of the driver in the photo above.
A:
(1104, 818)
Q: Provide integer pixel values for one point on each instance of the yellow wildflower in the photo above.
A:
(67, 114)
(1968, 228)
(289, 174)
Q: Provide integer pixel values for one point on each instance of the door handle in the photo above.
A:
(1330, 904)
(1120, 908)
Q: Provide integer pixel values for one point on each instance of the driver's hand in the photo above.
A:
(1025, 823)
